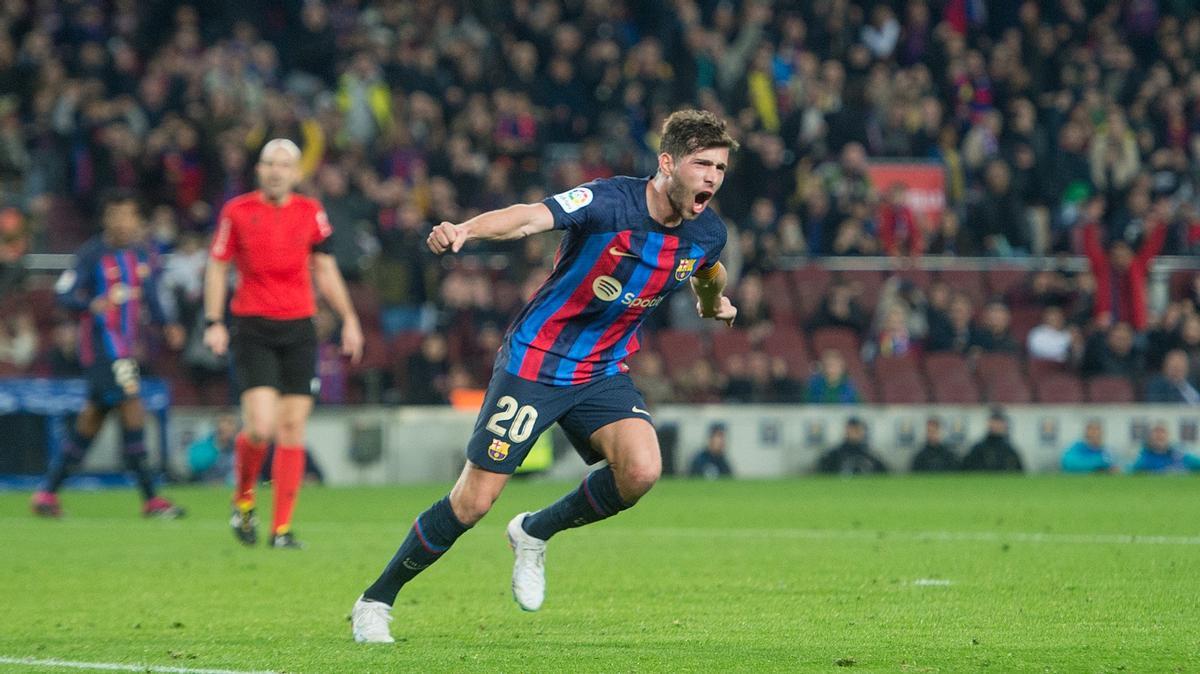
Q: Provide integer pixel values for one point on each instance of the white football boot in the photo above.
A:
(369, 621)
(529, 565)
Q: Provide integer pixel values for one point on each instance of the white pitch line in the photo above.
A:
(118, 667)
(938, 536)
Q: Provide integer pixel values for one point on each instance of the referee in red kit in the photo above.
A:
(279, 242)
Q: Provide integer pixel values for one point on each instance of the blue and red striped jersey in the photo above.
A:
(128, 278)
(614, 266)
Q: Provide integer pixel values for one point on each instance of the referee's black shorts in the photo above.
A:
(278, 354)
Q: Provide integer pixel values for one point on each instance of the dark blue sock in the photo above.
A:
(73, 451)
(596, 498)
(432, 534)
(134, 446)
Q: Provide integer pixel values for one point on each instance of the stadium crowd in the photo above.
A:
(1063, 127)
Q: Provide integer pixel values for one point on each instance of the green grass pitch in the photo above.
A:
(954, 574)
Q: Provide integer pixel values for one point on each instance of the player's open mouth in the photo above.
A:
(701, 201)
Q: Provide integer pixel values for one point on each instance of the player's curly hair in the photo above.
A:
(688, 131)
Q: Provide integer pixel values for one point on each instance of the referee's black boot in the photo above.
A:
(244, 525)
(286, 540)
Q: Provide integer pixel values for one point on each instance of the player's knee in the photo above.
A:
(470, 508)
(259, 431)
(637, 477)
(289, 433)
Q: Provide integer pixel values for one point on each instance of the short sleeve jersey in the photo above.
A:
(614, 266)
(270, 246)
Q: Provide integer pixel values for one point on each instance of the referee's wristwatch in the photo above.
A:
(209, 322)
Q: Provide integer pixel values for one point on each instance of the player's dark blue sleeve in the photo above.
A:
(579, 208)
(158, 313)
(713, 255)
(75, 288)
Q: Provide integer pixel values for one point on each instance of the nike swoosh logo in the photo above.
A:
(623, 253)
(640, 410)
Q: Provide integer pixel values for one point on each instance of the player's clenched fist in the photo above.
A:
(447, 237)
(725, 311)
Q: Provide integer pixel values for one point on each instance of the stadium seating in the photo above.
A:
(1061, 387)
(838, 339)
(728, 343)
(788, 343)
(1110, 390)
(679, 348)
(1002, 280)
(955, 388)
(902, 387)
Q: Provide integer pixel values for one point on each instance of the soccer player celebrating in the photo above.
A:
(113, 276)
(629, 243)
(272, 236)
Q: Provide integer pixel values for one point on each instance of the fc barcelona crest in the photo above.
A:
(498, 450)
(686, 266)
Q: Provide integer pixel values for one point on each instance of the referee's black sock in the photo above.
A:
(72, 454)
(596, 498)
(432, 534)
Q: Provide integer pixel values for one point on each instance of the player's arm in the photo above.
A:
(505, 224)
(216, 285)
(708, 284)
(73, 288)
(332, 287)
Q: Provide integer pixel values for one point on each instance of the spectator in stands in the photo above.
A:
(1158, 455)
(847, 180)
(1042, 288)
(210, 459)
(993, 335)
(14, 242)
(892, 339)
(64, 351)
(754, 314)
(700, 383)
(854, 236)
(900, 232)
(18, 341)
(951, 239)
(936, 455)
(1089, 455)
(649, 375)
(840, 309)
(1113, 353)
(953, 333)
(831, 384)
(1121, 272)
(995, 452)
(784, 387)
(710, 462)
(997, 219)
(1173, 385)
(852, 456)
(1163, 334)
(1053, 339)
(427, 373)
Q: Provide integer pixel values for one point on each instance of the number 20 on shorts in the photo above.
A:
(523, 418)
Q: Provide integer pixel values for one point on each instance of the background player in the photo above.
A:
(113, 276)
(629, 242)
(278, 241)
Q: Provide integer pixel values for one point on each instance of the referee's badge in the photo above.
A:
(498, 451)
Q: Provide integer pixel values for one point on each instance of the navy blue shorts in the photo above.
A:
(516, 411)
(112, 382)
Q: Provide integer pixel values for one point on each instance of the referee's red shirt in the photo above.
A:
(270, 246)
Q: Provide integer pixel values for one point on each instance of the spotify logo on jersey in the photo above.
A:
(606, 288)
